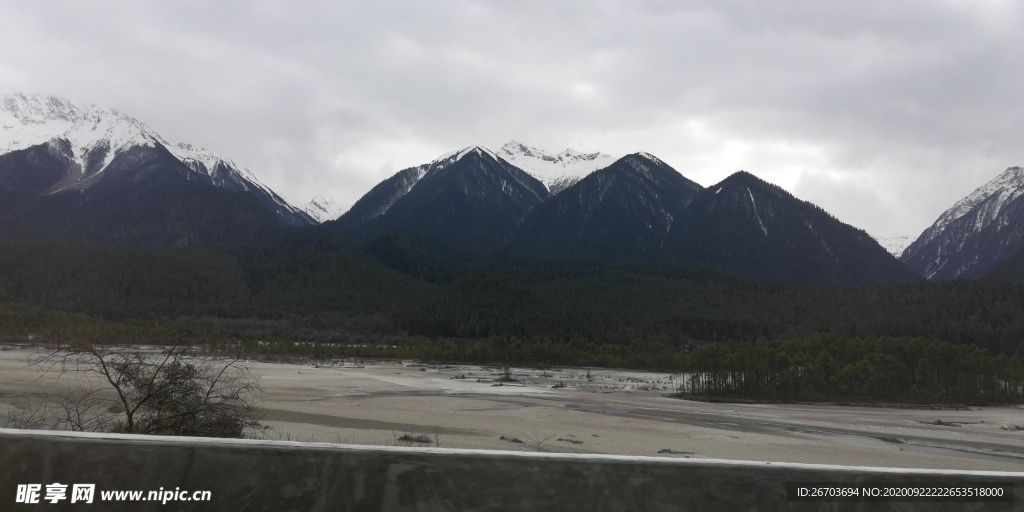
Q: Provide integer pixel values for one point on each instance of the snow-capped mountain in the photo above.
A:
(469, 197)
(91, 138)
(636, 210)
(621, 212)
(323, 209)
(556, 172)
(94, 135)
(975, 234)
(69, 172)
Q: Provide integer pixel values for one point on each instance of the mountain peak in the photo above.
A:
(622, 212)
(645, 156)
(469, 197)
(91, 137)
(455, 156)
(479, 150)
(749, 226)
(640, 162)
(1009, 185)
(28, 120)
(651, 158)
(743, 178)
(975, 234)
(743, 175)
(515, 146)
(38, 108)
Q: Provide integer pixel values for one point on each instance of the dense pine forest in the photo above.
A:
(323, 295)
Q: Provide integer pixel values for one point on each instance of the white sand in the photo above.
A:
(614, 412)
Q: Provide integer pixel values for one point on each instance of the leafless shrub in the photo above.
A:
(536, 441)
(506, 374)
(169, 391)
(415, 438)
(30, 416)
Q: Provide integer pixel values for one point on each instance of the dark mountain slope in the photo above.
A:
(748, 226)
(144, 197)
(471, 200)
(620, 213)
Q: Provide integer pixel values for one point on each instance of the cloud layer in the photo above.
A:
(883, 113)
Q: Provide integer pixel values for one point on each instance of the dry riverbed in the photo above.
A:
(575, 411)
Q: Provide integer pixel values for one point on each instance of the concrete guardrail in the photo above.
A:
(278, 476)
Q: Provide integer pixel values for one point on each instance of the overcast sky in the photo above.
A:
(883, 113)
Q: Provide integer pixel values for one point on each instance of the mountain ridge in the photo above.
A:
(636, 210)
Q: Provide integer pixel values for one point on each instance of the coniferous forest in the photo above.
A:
(323, 295)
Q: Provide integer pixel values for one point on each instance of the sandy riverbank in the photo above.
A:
(612, 412)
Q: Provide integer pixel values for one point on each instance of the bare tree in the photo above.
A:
(167, 391)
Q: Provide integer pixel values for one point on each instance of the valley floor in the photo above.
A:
(610, 411)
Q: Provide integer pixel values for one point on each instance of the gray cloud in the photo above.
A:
(883, 113)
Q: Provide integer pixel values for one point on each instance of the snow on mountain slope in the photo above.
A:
(621, 213)
(975, 234)
(323, 209)
(992, 197)
(225, 173)
(482, 155)
(556, 172)
(29, 120)
(95, 136)
(470, 198)
(895, 244)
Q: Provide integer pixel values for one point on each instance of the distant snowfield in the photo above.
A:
(556, 172)
(610, 412)
(895, 244)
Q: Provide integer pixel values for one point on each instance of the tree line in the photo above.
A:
(321, 286)
(855, 370)
(318, 292)
(823, 368)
